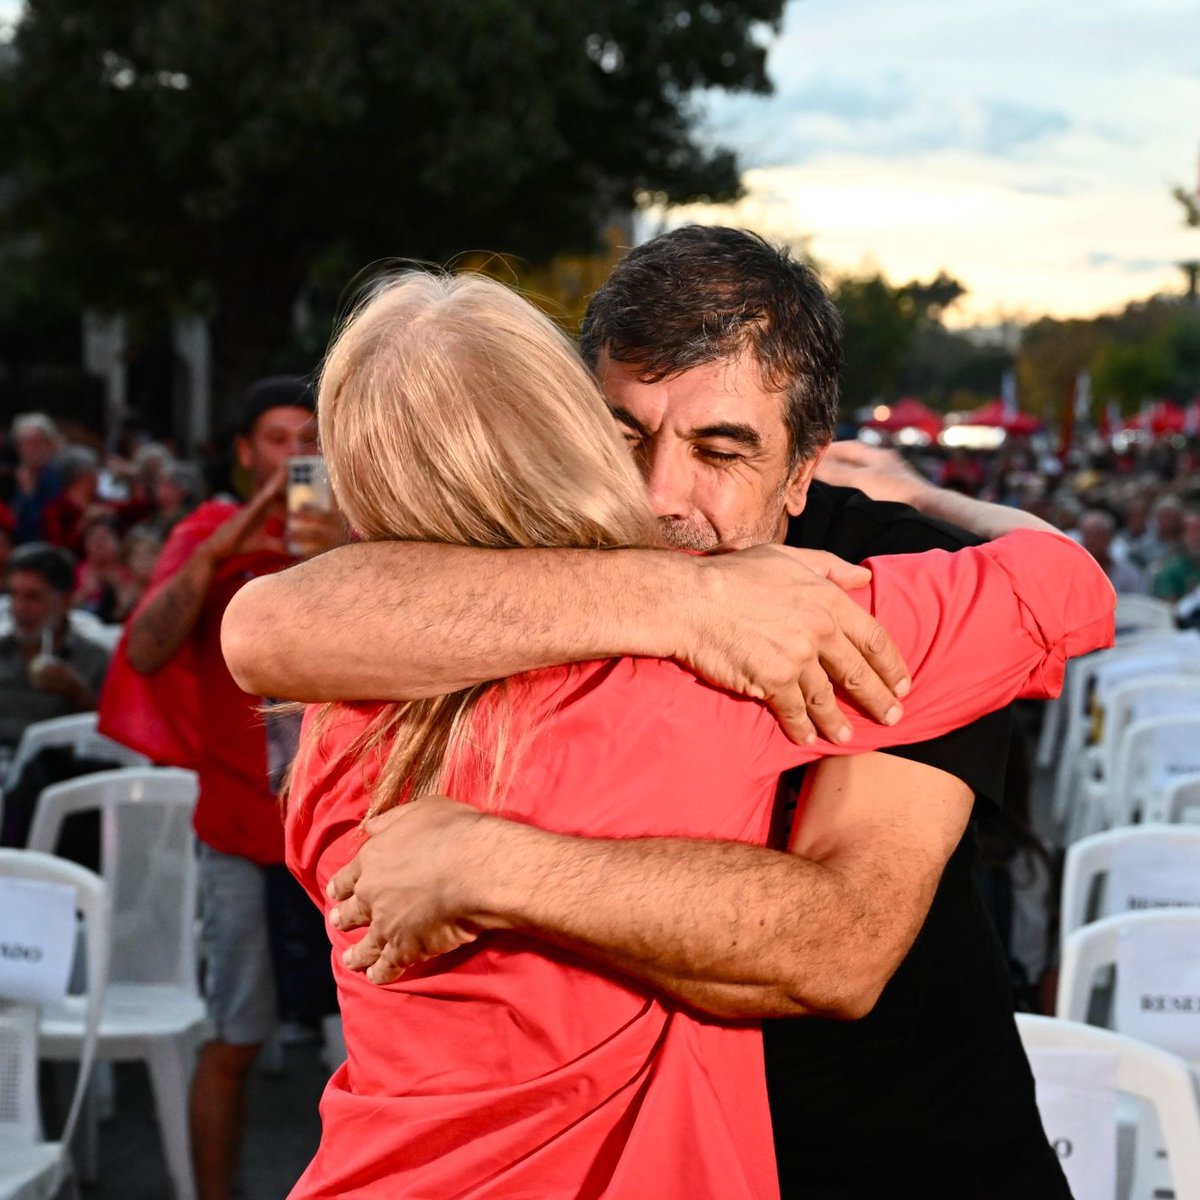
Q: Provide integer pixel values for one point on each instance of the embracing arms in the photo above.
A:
(403, 620)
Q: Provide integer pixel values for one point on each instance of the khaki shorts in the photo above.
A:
(239, 982)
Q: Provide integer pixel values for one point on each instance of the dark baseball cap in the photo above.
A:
(277, 391)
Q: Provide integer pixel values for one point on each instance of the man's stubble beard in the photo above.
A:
(697, 534)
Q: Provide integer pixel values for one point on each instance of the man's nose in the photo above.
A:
(667, 482)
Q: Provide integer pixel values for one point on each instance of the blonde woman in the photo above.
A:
(450, 410)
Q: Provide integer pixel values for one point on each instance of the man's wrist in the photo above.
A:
(504, 863)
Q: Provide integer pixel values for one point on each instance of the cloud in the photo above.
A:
(1009, 127)
(1138, 266)
(850, 101)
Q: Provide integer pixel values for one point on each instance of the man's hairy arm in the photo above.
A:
(735, 930)
(404, 620)
(426, 619)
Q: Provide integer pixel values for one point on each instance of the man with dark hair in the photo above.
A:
(718, 355)
(702, 295)
(47, 668)
(172, 697)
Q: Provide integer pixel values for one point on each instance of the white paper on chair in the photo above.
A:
(37, 940)
(1158, 988)
(1077, 1099)
(1152, 876)
(1171, 752)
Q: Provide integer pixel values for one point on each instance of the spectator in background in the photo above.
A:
(140, 552)
(1181, 572)
(177, 490)
(47, 668)
(35, 479)
(1129, 538)
(103, 583)
(79, 471)
(1163, 540)
(1096, 531)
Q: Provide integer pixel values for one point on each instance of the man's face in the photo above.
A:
(35, 448)
(714, 450)
(34, 605)
(279, 434)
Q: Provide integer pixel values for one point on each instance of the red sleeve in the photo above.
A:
(978, 628)
(158, 714)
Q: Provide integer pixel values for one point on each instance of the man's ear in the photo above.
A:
(241, 447)
(796, 495)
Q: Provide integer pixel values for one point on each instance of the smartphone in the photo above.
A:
(308, 484)
(307, 487)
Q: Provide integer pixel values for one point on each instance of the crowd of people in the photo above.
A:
(1133, 501)
(80, 533)
(581, 954)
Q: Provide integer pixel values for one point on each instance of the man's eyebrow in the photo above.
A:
(625, 417)
(742, 435)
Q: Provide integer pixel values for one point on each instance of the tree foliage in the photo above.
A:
(219, 155)
(882, 326)
(1149, 351)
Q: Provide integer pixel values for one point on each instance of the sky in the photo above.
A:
(1027, 148)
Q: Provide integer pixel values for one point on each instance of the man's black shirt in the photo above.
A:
(931, 1094)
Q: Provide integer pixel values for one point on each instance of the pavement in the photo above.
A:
(282, 1130)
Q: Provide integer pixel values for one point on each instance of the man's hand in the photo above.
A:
(414, 898)
(244, 532)
(774, 623)
(882, 474)
(312, 531)
(54, 675)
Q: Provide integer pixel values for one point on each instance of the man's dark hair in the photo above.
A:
(704, 293)
(52, 563)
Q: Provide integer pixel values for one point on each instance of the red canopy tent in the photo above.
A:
(909, 413)
(996, 416)
(1160, 418)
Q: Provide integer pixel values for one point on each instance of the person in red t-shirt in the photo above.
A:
(450, 410)
(171, 696)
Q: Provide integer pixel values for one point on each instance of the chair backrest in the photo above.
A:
(1146, 1072)
(1143, 866)
(18, 1022)
(1143, 614)
(147, 860)
(77, 731)
(1148, 655)
(1156, 997)
(1149, 757)
(1179, 802)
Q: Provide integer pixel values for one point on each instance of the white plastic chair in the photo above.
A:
(1148, 657)
(154, 1011)
(1179, 802)
(1095, 947)
(1141, 846)
(1159, 1079)
(1150, 756)
(32, 1168)
(1122, 705)
(1143, 614)
(1060, 733)
(77, 731)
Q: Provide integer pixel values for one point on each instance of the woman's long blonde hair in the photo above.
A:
(452, 410)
